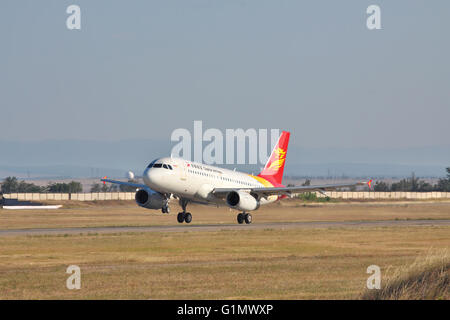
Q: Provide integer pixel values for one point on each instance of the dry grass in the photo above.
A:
(253, 264)
(326, 263)
(428, 277)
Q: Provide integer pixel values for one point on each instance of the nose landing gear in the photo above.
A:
(165, 209)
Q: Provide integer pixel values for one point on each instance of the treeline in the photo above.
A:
(13, 185)
(97, 187)
(414, 184)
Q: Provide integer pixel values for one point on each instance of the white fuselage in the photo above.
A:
(195, 181)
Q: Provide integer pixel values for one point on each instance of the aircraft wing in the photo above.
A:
(265, 192)
(136, 185)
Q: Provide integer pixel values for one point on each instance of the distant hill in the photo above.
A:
(77, 158)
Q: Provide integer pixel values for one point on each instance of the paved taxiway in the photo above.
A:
(219, 227)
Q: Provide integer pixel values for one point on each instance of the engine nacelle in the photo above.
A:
(148, 199)
(242, 200)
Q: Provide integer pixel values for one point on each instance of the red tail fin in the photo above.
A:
(273, 171)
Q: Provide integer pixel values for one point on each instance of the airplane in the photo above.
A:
(192, 182)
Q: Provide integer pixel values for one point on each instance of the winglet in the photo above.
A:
(369, 183)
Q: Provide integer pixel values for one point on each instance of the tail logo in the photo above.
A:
(280, 155)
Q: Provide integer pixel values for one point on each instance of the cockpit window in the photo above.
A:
(151, 164)
(160, 165)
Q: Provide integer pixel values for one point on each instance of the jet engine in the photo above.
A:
(242, 200)
(149, 199)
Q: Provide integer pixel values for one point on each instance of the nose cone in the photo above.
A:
(152, 177)
(147, 176)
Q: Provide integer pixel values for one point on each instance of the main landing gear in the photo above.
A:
(184, 216)
(247, 217)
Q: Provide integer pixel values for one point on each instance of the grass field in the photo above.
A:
(327, 263)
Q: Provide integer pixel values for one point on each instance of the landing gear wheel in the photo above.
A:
(165, 209)
(180, 217)
(240, 218)
(248, 218)
(187, 217)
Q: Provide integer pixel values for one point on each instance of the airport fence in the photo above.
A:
(100, 196)
(367, 195)
(91, 196)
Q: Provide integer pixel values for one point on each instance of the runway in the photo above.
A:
(221, 227)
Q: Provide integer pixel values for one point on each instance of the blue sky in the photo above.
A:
(140, 69)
